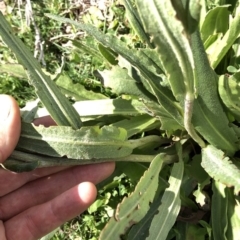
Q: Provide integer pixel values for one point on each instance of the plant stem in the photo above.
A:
(44, 161)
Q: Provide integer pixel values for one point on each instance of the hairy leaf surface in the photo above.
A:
(140, 61)
(229, 91)
(57, 104)
(220, 167)
(133, 208)
(85, 143)
(170, 207)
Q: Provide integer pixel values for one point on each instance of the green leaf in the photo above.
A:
(168, 123)
(88, 48)
(170, 207)
(19, 166)
(77, 91)
(85, 143)
(135, 21)
(188, 12)
(58, 106)
(139, 60)
(104, 107)
(219, 217)
(138, 124)
(229, 91)
(16, 70)
(216, 21)
(167, 35)
(207, 106)
(108, 54)
(220, 167)
(135, 207)
(121, 83)
(220, 48)
(141, 230)
(29, 111)
(233, 231)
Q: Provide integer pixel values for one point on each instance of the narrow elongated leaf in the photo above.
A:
(104, 107)
(134, 208)
(188, 71)
(85, 143)
(207, 107)
(167, 35)
(135, 21)
(19, 166)
(58, 106)
(233, 231)
(219, 216)
(220, 167)
(87, 48)
(109, 55)
(170, 207)
(140, 61)
(140, 231)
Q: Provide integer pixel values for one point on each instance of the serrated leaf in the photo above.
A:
(229, 91)
(168, 34)
(139, 60)
(170, 207)
(134, 208)
(222, 46)
(85, 143)
(141, 230)
(220, 167)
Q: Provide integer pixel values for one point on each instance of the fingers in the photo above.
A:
(10, 125)
(47, 188)
(42, 219)
(10, 181)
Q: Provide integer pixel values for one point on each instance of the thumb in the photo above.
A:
(10, 125)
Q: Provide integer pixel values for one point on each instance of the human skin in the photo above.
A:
(33, 204)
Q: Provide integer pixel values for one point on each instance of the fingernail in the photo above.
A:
(5, 108)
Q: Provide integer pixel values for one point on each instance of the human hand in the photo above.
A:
(33, 204)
